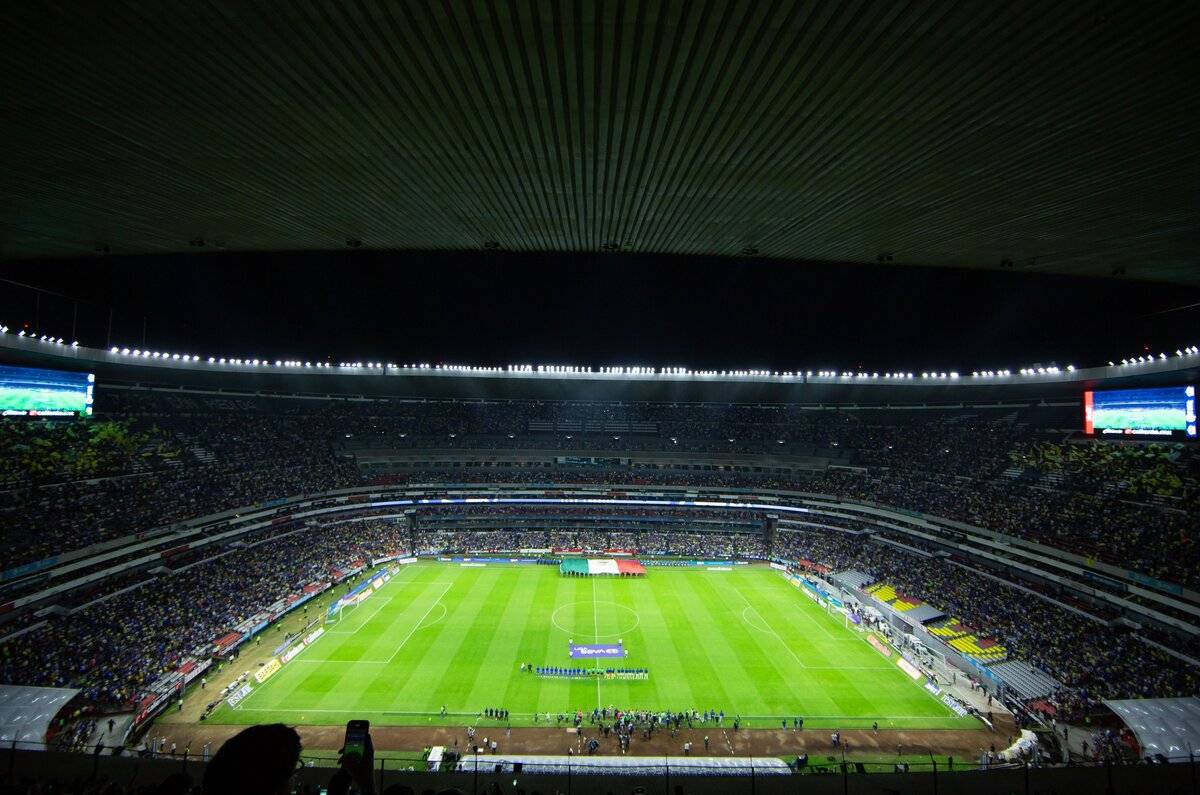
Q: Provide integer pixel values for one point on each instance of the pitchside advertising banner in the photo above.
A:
(879, 645)
(236, 697)
(955, 706)
(592, 651)
(909, 668)
(268, 670)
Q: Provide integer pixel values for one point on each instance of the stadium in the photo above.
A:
(303, 512)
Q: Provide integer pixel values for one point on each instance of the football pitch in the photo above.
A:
(35, 399)
(439, 635)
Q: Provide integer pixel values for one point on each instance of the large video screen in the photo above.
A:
(1156, 412)
(34, 392)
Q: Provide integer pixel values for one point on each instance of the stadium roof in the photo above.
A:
(1036, 137)
(26, 713)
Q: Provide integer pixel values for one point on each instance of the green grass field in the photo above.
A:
(1140, 419)
(745, 641)
(29, 399)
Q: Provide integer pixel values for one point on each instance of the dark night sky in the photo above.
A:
(595, 310)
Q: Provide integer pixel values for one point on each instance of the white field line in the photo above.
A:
(406, 712)
(819, 625)
(355, 631)
(596, 638)
(398, 579)
(417, 626)
(383, 600)
(769, 627)
(822, 627)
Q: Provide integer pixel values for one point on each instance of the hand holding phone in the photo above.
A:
(358, 732)
(358, 756)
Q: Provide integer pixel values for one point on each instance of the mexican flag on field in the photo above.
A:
(590, 567)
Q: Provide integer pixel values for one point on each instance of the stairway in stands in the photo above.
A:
(202, 455)
(1027, 681)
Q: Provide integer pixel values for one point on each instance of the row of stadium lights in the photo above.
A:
(573, 370)
(43, 338)
(1162, 357)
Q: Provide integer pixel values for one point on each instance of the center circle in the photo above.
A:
(600, 619)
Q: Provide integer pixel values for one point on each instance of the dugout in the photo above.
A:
(1166, 729)
(27, 714)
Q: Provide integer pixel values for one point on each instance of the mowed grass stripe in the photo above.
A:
(310, 686)
(447, 670)
(636, 596)
(391, 684)
(833, 688)
(354, 686)
(663, 649)
(860, 682)
(553, 695)
(623, 609)
(507, 609)
(849, 680)
(758, 658)
(714, 657)
(438, 668)
(531, 630)
(691, 633)
(773, 670)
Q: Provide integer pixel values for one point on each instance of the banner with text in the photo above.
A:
(594, 651)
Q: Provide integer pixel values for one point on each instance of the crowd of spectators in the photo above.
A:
(75, 736)
(216, 462)
(1150, 538)
(670, 543)
(116, 646)
(1094, 659)
(1151, 469)
(1147, 538)
(155, 458)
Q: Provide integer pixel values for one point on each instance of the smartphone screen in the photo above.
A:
(356, 738)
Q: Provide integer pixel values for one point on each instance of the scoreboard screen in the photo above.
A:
(1141, 413)
(34, 392)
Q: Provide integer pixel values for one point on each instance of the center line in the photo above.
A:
(596, 636)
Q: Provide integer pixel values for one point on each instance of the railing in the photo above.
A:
(645, 776)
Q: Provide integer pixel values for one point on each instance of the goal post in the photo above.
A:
(334, 614)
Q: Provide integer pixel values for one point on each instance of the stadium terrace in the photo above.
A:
(1017, 569)
(599, 398)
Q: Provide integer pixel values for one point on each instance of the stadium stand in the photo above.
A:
(120, 641)
(154, 458)
(255, 450)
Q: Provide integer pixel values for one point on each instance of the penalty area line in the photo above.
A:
(770, 629)
(384, 600)
(417, 626)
